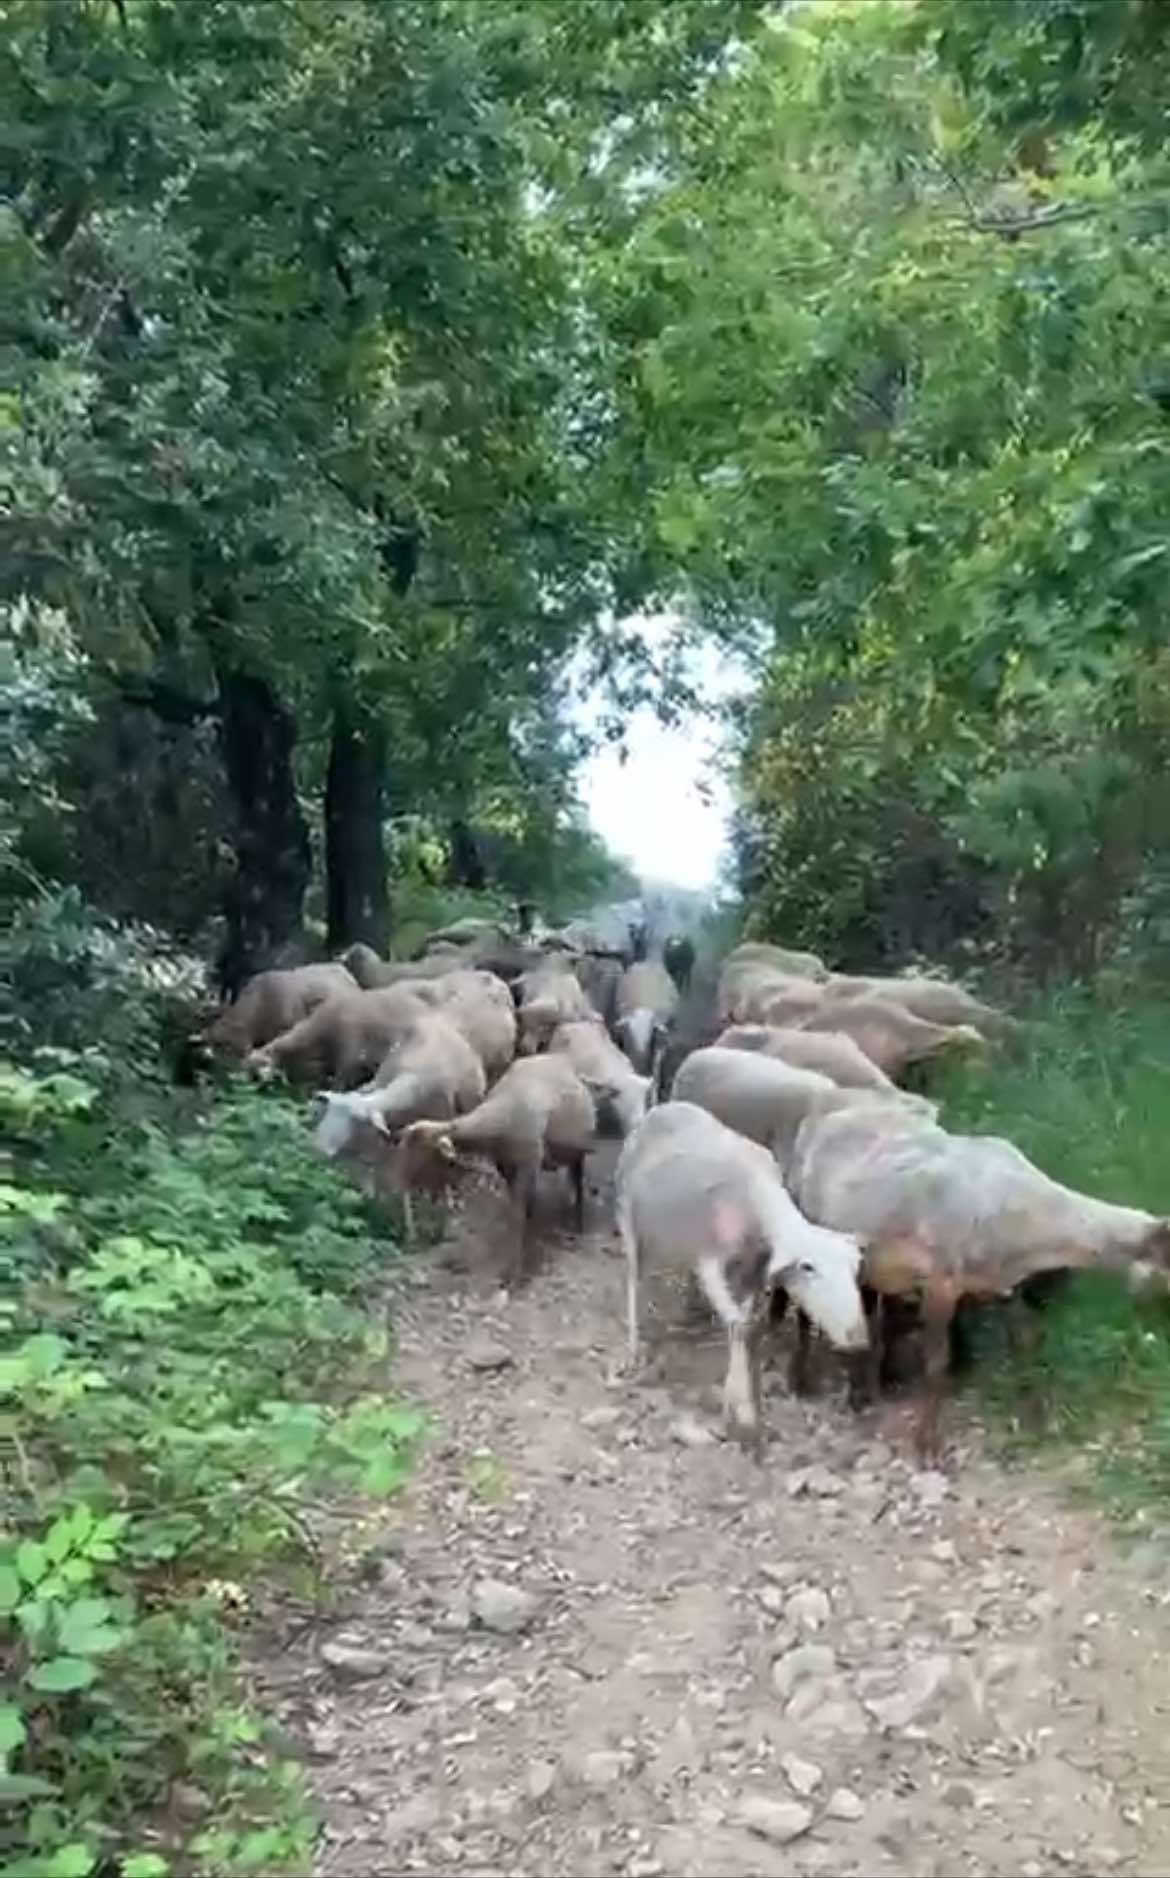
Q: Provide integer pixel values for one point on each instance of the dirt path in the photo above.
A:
(854, 1669)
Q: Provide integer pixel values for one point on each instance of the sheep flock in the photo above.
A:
(769, 1154)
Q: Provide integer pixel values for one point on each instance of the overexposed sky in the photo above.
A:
(649, 809)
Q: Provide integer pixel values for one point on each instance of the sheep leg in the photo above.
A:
(408, 1217)
(938, 1308)
(865, 1367)
(577, 1176)
(630, 1245)
(799, 1379)
(740, 1403)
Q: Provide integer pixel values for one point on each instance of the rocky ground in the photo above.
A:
(593, 1638)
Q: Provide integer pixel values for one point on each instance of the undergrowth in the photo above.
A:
(1087, 1097)
(189, 1357)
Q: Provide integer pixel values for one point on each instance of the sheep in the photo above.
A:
(431, 1071)
(375, 974)
(550, 994)
(752, 993)
(480, 1006)
(679, 1046)
(945, 1216)
(678, 956)
(646, 1003)
(539, 1113)
(789, 964)
(767, 1099)
(273, 1002)
(599, 975)
(932, 999)
(343, 1041)
(830, 1052)
(890, 1036)
(690, 1188)
(620, 1095)
(462, 932)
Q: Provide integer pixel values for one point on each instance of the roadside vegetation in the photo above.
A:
(196, 1351)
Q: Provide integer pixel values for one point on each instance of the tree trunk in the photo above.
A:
(467, 868)
(356, 893)
(265, 897)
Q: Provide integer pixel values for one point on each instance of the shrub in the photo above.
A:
(189, 1351)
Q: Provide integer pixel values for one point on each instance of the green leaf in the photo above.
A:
(144, 1865)
(61, 1674)
(17, 1787)
(59, 1538)
(83, 1628)
(31, 1561)
(70, 1861)
(12, 1728)
(10, 1591)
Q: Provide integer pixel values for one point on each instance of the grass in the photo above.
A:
(1087, 1097)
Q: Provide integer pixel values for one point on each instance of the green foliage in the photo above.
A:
(188, 1354)
(898, 422)
(304, 383)
(1088, 1098)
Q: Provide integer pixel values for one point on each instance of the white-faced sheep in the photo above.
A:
(944, 1216)
(431, 1072)
(690, 1190)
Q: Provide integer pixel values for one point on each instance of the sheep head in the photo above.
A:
(1155, 1247)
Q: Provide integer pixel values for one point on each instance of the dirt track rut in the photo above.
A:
(834, 1664)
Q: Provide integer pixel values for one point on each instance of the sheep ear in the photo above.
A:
(446, 1148)
(378, 1120)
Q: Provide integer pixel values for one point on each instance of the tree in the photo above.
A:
(898, 419)
(306, 416)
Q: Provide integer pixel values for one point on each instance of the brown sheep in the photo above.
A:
(374, 974)
(550, 994)
(945, 1216)
(480, 1006)
(828, 1051)
(754, 993)
(538, 1114)
(344, 1041)
(889, 1035)
(932, 999)
(621, 1096)
(273, 1002)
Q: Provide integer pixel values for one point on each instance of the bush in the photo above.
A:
(188, 1353)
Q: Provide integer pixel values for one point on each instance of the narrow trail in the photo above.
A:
(600, 1640)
